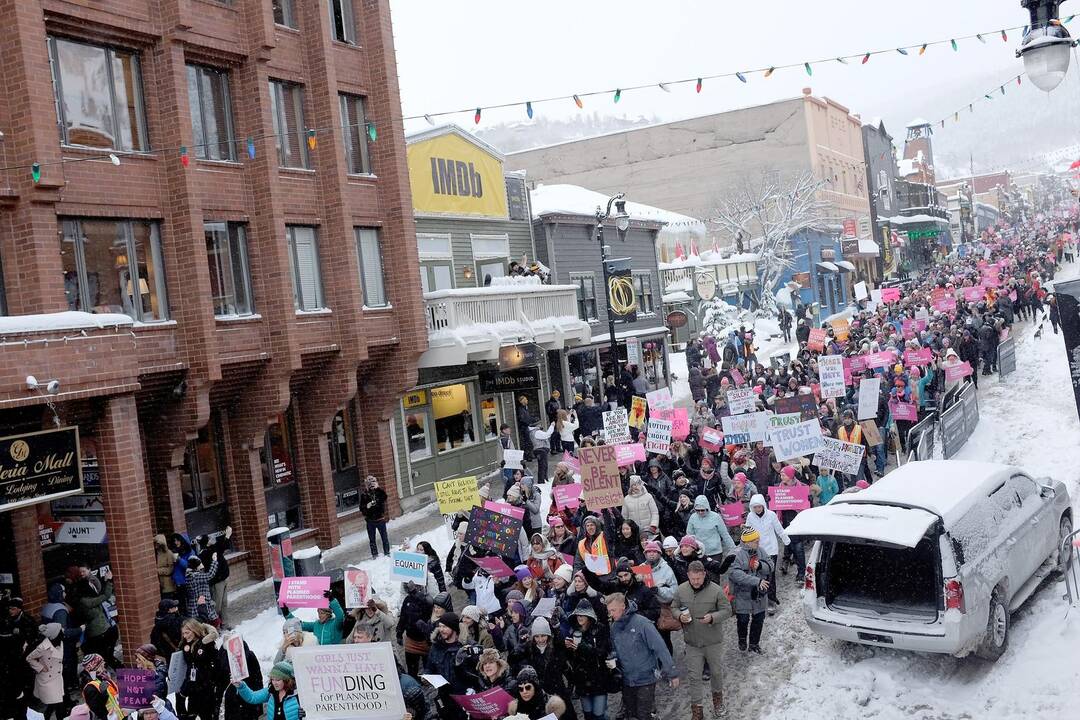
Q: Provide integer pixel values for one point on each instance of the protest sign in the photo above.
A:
(680, 424)
(841, 456)
(493, 530)
(816, 341)
(616, 426)
(796, 440)
(571, 461)
(711, 439)
(907, 328)
(945, 304)
(544, 607)
(658, 438)
(860, 290)
(357, 584)
(599, 564)
(304, 592)
(660, 399)
(513, 458)
(566, 496)
(937, 294)
(637, 412)
(741, 400)
(435, 681)
(875, 298)
(493, 566)
(739, 429)
(732, 513)
(890, 295)
(870, 432)
(973, 294)
(601, 487)
(847, 371)
(344, 682)
(924, 356)
(406, 566)
(457, 494)
(841, 329)
(737, 378)
(957, 372)
(505, 508)
(789, 497)
(831, 373)
(803, 403)
(644, 570)
(880, 359)
(489, 705)
(858, 363)
(922, 318)
(629, 454)
(904, 411)
(233, 644)
(136, 688)
(868, 397)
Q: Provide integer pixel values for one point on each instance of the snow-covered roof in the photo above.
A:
(915, 219)
(868, 247)
(500, 286)
(708, 258)
(562, 199)
(917, 122)
(69, 320)
(679, 296)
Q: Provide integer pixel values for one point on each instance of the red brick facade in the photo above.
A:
(247, 371)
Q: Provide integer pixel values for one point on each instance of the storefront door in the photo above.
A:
(202, 482)
(280, 475)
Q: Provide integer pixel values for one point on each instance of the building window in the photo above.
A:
(201, 482)
(211, 113)
(284, 13)
(287, 107)
(341, 19)
(586, 295)
(354, 129)
(369, 250)
(340, 442)
(436, 275)
(3, 296)
(114, 266)
(453, 410)
(98, 93)
(417, 425)
(490, 417)
(644, 292)
(230, 276)
(304, 263)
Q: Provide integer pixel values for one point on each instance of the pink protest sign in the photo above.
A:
(880, 359)
(494, 566)
(924, 356)
(304, 592)
(566, 496)
(571, 461)
(945, 304)
(680, 424)
(489, 705)
(889, 295)
(737, 377)
(710, 439)
(645, 571)
(789, 497)
(1012, 296)
(847, 371)
(908, 329)
(732, 514)
(973, 294)
(904, 411)
(957, 372)
(629, 453)
(816, 341)
(858, 363)
(991, 280)
(568, 559)
(505, 509)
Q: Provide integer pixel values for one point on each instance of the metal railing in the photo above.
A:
(486, 307)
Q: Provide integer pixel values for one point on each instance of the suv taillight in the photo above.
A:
(954, 595)
(808, 583)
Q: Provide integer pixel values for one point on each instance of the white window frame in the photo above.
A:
(373, 297)
(301, 303)
(288, 14)
(490, 247)
(448, 254)
(346, 32)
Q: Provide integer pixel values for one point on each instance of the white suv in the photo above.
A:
(933, 557)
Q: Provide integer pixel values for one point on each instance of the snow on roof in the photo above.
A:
(945, 487)
(708, 258)
(917, 122)
(914, 219)
(868, 247)
(70, 320)
(678, 296)
(500, 286)
(561, 199)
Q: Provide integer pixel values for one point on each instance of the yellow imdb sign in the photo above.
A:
(449, 174)
(457, 494)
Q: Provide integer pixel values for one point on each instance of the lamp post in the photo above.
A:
(1045, 48)
(622, 224)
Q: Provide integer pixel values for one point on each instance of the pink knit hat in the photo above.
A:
(788, 471)
(689, 541)
(653, 546)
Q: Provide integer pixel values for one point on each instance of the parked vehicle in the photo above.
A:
(933, 557)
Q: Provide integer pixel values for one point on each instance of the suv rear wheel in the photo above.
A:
(1065, 529)
(996, 640)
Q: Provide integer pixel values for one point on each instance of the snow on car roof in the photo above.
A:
(945, 487)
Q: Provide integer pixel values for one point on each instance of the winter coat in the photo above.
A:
(184, 554)
(549, 664)
(373, 505)
(745, 581)
(484, 587)
(201, 657)
(47, 662)
(585, 667)
(708, 599)
(829, 488)
(235, 708)
(440, 661)
(768, 525)
(542, 704)
(566, 434)
(711, 532)
(664, 581)
(166, 633)
(290, 705)
(381, 625)
(198, 585)
(643, 596)
(415, 607)
(165, 561)
(90, 608)
(697, 384)
(639, 648)
(590, 419)
(641, 508)
(329, 632)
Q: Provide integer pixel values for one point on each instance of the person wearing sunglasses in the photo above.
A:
(532, 700)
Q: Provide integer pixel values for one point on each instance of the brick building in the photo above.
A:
(226, 336)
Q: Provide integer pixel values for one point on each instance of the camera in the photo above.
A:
(53, 388)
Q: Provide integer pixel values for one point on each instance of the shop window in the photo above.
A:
(304, 263)
(98, 93)
(287, 113)
(340, 442)
(114, 266)
(418, 432)
(435, 275)
(285, 13)
(211, 113)
(486, 270)
(201, 479)
(452, 408)
(355, 132)
(584, 375)
(586, 295)
(230, 277)
(276, 455)
(369, 250)
(643, 290)
(341, 19)
(490, 417)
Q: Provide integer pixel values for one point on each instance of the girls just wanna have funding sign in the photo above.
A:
(349, 681)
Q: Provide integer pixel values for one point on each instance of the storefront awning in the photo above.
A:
(845, 266)
(828, 267)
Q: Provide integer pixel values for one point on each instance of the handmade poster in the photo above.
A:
(637, 412)
(747, 428)
(841, 329)
(937, 294)
(741, 400)
(875, 297)
(629, 454)
(840, 456)
(973, 294)
(435, 681)
(870, 432)
(957, 372)
(505, 508)
(945, 304)
(803, 403)
(904, 411)
(907, 328)
(233, 644)
(571, 461)
(305, 592)
(680, 424)
(598, 564)
(493, 566)
(616, 427)
(489, 705)
(711, 439)
(513, 458)
(880, 359)
(797, 440)
(660, 399)
(344, 682)
(789, 497)
(925, 356)
(601, 487)
(860, 290)
(136, 688)
(357, 584)
(858, 363)
(816, 341)
(493, 530)
(922, 318)
(544, 607)
(457, 494)
(831, 373)
(890, 295)
(566, 496)
(847, 371)
(732, 513)
(737, 378)
(658, 438)
(406, 566)
(868, 397)
(644, 570)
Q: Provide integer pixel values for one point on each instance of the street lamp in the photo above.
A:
(1046, 47)
(622, 224)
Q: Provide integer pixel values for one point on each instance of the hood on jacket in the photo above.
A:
(183, 540)
(585, 608)
(636, 485)
(594, 520)
(56, 593)
(546, 551)
(701, 503)
(759, 499)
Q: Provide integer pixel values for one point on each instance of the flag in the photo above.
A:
(693, 247)
(680, 254)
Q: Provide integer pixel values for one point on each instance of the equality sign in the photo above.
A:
(406, 566)
(601, 487)
(457, 494)
(816, 341)
(489, 705)
(841, 456)
(868, 397)
(305, 592)
(566, 496)
(797, 440)
(831, 373)
(357, 584)
(789, 497)
(233, 643)
(741, 400)
(616, 426)
(658, 439)
(344, 682)
(136, 688)
(492, 530)
(637, 412)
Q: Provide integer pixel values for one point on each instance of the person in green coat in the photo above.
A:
(703, 609)
(327, 629)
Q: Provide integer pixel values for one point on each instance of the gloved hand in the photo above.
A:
(228, 531)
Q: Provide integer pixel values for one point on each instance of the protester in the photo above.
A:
(703, 608)
(373, 508)
(280, 699)
(750, 574)
(639, 650)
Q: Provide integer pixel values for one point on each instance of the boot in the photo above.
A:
(697, 712)
(719, 712)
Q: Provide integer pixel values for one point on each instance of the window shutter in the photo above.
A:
(307, 268)
(371, 267)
